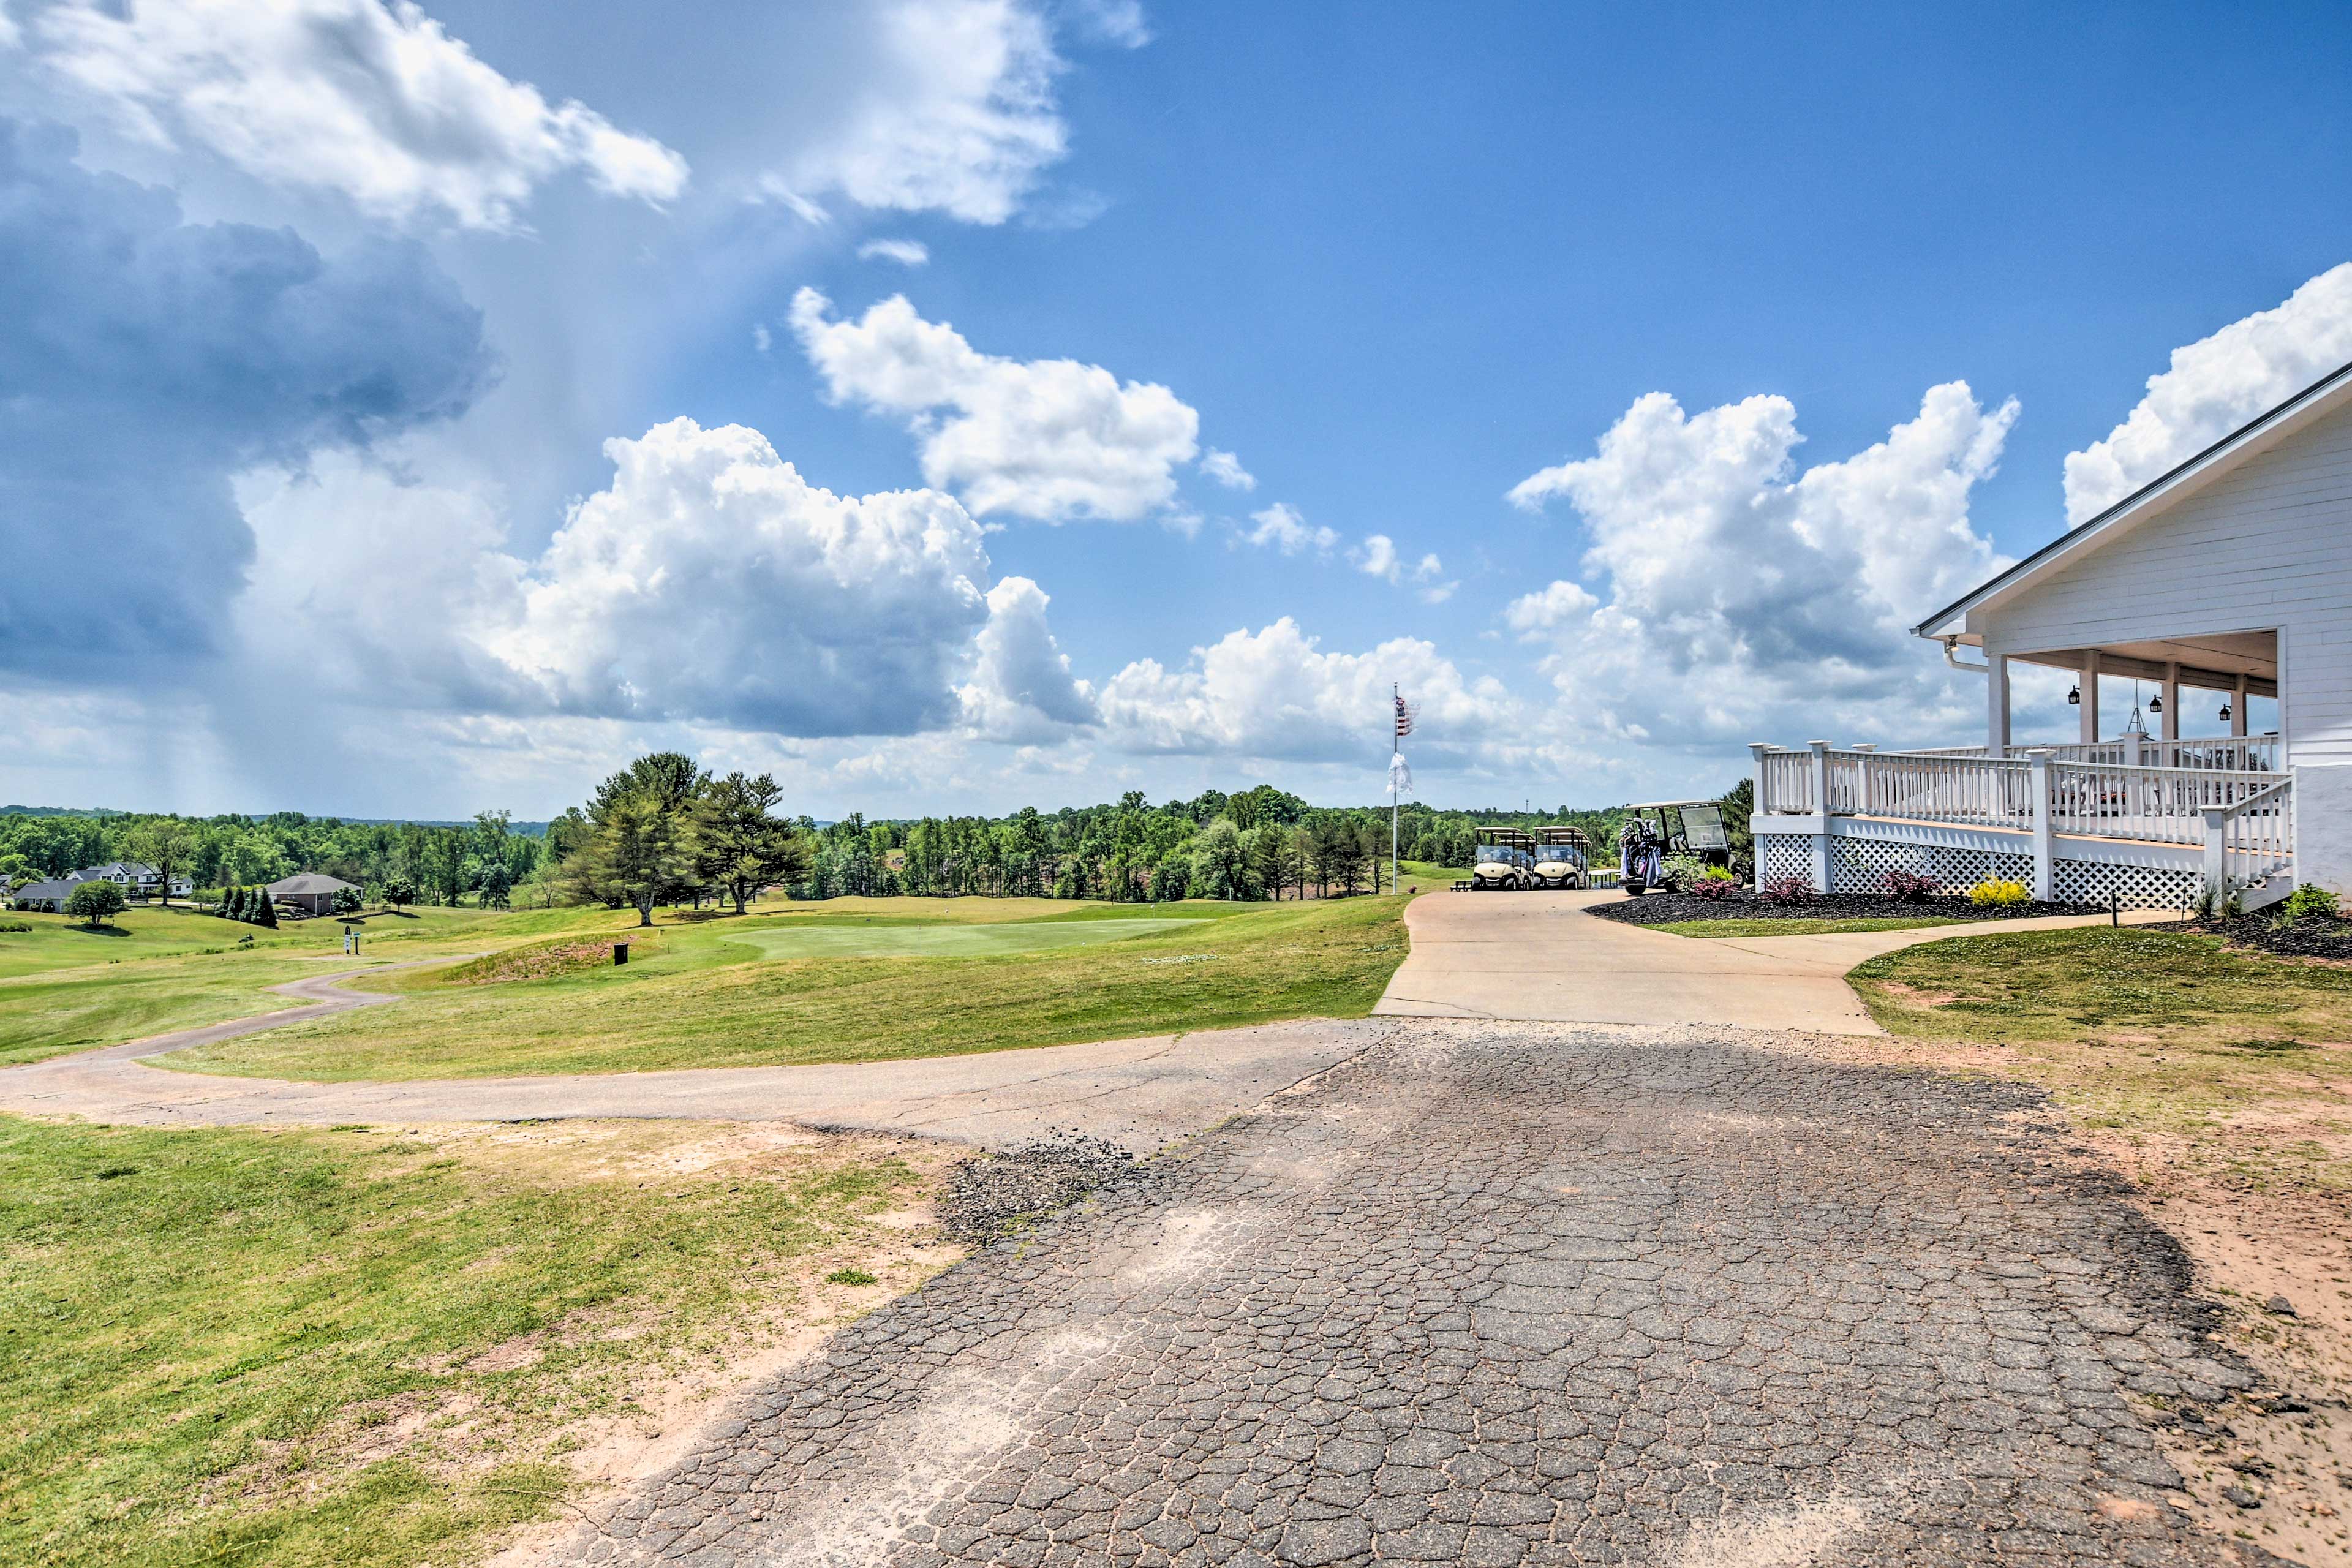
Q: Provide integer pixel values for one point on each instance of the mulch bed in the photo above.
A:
(1665, 908)
(2311, 937)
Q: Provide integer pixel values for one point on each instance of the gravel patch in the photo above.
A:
(992, 1196)
(1665, 908)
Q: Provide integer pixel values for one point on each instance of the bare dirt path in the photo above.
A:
(1140, 1092)
(1503, 1293)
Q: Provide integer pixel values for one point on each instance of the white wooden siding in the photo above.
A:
(2270, 545)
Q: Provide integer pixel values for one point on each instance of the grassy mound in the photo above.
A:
(708, 999)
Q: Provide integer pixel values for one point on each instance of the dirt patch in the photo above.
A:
(2276, 1466)
(1912, 996)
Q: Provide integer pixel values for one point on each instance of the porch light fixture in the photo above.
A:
(2074, 700)
(2225, 710)
(2155, 703)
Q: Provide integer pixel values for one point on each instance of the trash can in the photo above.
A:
(620, 952)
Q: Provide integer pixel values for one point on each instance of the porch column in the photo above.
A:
(2171, 701)
(2045, 843)
(2090, 682)
(1822, 805)
(1761, 805)
(1996, 704)
(2238, 706)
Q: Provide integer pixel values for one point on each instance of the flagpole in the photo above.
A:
(1396, 748)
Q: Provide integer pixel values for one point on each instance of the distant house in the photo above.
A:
(309, 891)
(134, 878)
(48, 898)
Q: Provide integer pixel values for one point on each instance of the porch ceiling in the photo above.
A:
(2209, 661)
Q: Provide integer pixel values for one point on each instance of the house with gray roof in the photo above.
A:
(313, 892)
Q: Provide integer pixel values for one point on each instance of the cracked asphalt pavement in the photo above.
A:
(1510, 1293)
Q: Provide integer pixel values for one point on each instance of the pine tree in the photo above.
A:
(264, 909)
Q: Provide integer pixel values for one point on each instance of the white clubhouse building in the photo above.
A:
(2226, 582)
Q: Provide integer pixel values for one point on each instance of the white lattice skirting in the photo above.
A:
(1781, 854)
(2132, 887)
(1859, 864)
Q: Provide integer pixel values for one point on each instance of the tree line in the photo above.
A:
(488, 859)
(666, 830)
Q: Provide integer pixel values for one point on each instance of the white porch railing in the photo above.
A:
(2252, 840)
(2242, 817)
(2160, 805)
(2243, 754)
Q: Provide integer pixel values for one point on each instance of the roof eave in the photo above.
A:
(2313, 401)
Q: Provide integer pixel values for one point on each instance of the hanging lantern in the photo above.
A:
(2074, 699)
(2155, 703)
(2225, 710)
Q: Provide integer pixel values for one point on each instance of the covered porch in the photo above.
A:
(2132, 811)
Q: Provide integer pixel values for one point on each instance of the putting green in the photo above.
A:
(945, 941)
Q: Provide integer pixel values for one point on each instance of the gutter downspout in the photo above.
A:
(1951, 649)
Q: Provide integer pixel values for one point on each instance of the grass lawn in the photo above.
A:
(65, 988)
(2246, 1057)
(1795, 928)
(57, 942)
(832, 985)
(372, 1348)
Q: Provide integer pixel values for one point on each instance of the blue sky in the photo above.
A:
(1402, 264)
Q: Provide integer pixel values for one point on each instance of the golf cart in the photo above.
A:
(1563, 858)
(1505, 859)
(1665, 829)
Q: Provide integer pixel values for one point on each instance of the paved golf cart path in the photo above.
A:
(1539, 956)
(1505, 1294)
(1140, 1092)
(1533, 957)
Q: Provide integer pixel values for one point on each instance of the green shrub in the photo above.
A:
(16, 925)
(1995, 893)
(2308, 902)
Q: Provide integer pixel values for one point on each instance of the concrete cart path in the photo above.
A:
(1141, 1093)
(1539, 956)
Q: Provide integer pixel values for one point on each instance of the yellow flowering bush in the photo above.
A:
(1995, 893)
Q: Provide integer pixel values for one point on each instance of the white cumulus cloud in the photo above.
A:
(905, 252)
(1274, 694)
(960, 117)
(1285, 529)
(376, 101)
(1227, 470)
(2214, 385)
(711, 581)
(1022, 688)
(1747, 601)
(1050, 439)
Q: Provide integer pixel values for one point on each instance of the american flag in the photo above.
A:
(1403, 718)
